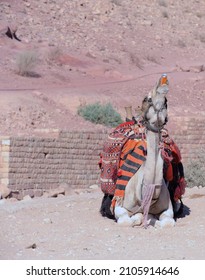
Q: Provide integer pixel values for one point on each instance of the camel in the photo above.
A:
(146, 200)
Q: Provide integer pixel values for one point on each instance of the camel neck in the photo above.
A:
(153, 154)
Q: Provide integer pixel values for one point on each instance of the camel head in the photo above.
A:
(154, 106)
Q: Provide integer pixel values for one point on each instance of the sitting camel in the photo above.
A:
(146, 198)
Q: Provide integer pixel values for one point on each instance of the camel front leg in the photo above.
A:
(166, 218)
(124, 211)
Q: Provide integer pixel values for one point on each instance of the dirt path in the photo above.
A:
(70, 227)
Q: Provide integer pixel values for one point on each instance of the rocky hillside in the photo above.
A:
(116, 30)
(86, 51)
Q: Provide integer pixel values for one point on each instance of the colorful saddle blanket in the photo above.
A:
(132, 157)
(122, 155)
(124, 152)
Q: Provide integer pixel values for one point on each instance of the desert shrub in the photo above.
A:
(202, 37)
(152, 59)
(163, 3)
(100, 114)
(26, 62)
(181, 43)
(195, 170)
(165, 14)
(53, 55)
(199, 15)
(135, 60)
(117, 2)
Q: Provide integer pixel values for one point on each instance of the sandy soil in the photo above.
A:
(70, 227)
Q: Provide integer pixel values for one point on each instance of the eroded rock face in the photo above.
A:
(118, 45)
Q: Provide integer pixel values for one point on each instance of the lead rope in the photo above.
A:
(147, 195)
(148, 189)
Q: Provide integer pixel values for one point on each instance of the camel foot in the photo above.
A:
(122, 216)
(137, 219)
(165, 223)
(124, 221)
(166, 219)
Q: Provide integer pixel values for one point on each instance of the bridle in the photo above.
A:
(157, 111)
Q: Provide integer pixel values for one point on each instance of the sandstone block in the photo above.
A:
(4, 191)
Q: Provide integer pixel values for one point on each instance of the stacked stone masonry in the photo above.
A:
(33, 165)
(189, 134)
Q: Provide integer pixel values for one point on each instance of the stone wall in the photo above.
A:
(32, 165)
(189, 134)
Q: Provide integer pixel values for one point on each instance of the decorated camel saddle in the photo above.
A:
(126, 154)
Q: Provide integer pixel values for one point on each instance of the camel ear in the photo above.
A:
(145, 105)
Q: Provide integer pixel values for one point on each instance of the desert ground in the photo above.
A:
(96, 51)
(71, 227)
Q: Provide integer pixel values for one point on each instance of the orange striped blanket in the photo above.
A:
(122, 155)
(132, 157)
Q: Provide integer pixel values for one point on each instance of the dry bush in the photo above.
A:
(202, 37)
(163, 3)
(26, 62)
(152, 59)
(200, 15)
(134, 59)
(53, 55)
(165, 14)
(181, 43)
(100, 114)
(115, 58)
(117, 2)
(195, 170)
